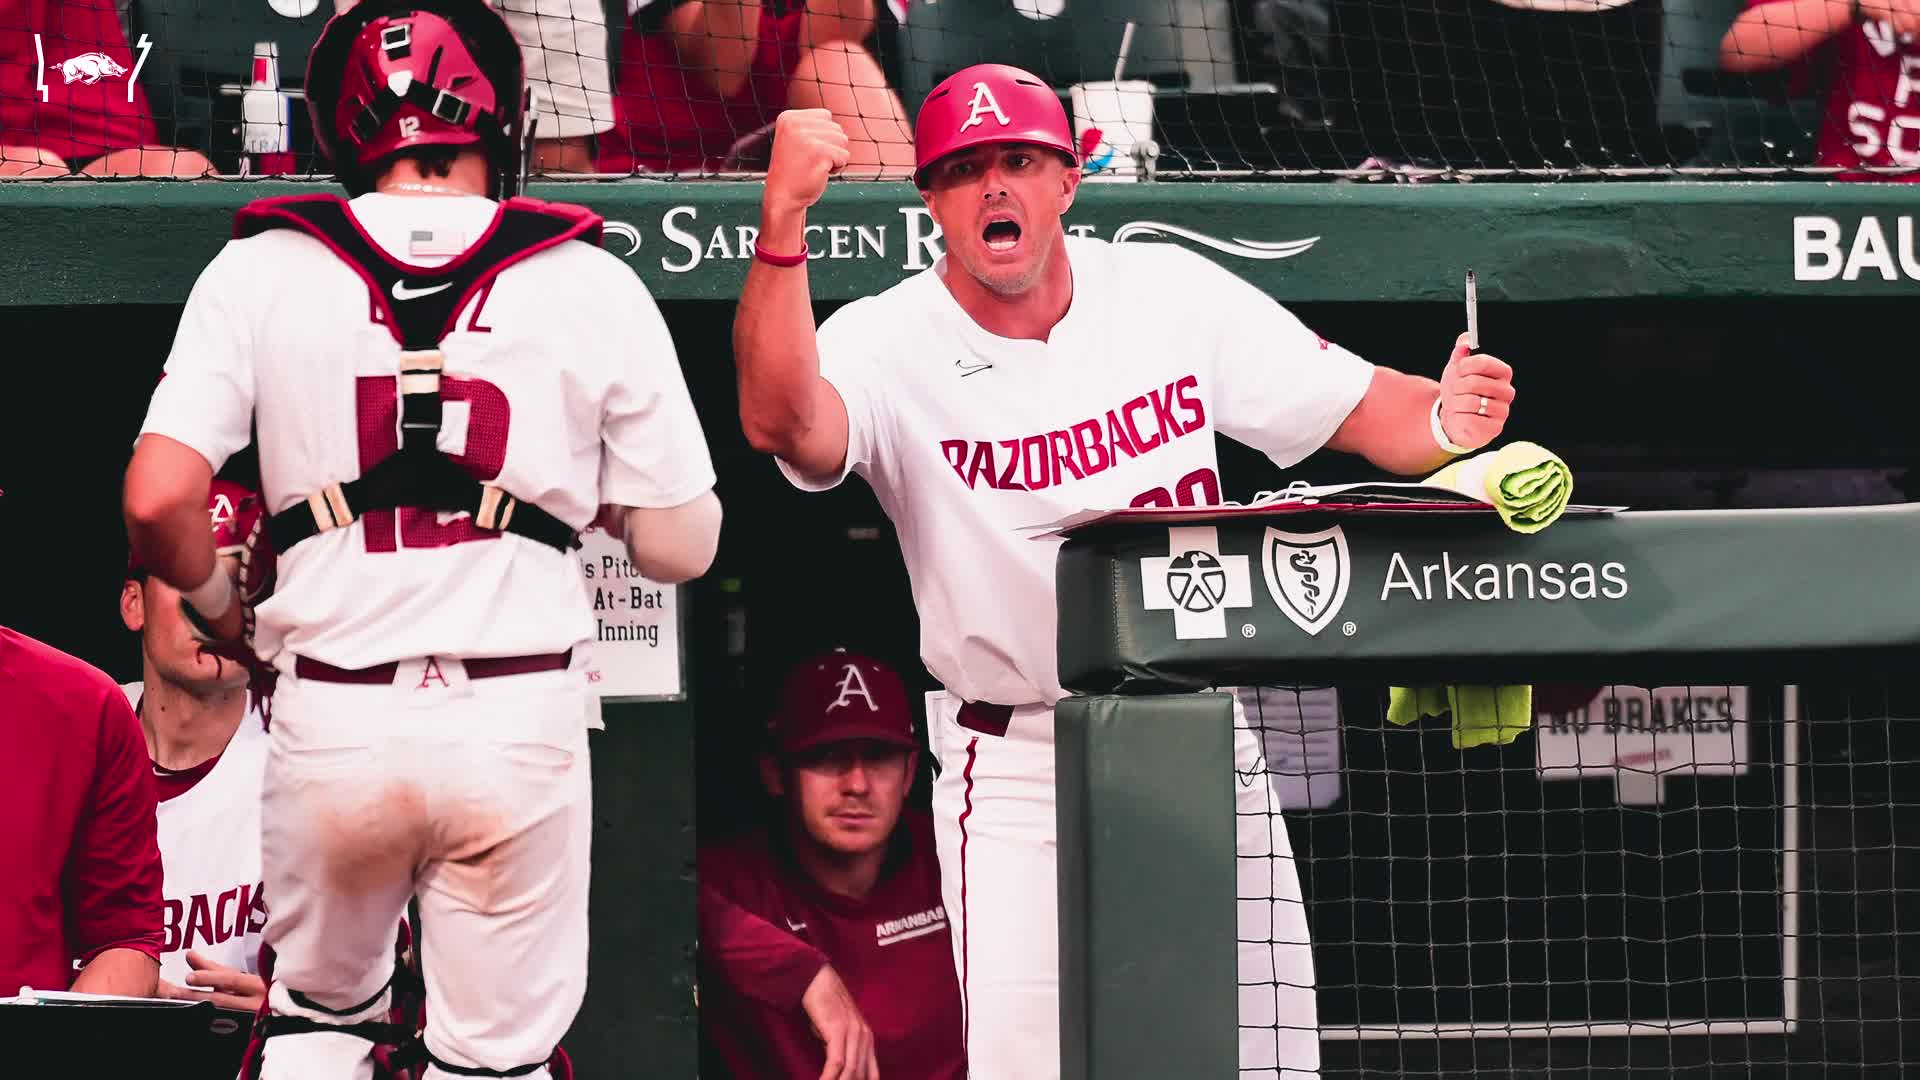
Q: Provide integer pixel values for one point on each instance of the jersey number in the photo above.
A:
(1198, 488)
(377, 409)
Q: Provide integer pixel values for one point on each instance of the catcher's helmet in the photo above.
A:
(989, 103)
(235, 514)
(389, 75)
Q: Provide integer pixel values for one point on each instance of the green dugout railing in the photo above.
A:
(1146, 819)
(79, 242)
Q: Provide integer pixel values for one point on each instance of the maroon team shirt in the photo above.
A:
(766, 929)
(80, 853)
(1872, 112)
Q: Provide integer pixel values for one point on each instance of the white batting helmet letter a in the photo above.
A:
(853, 683)
(981, 105)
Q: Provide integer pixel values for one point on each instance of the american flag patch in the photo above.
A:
(428, 242)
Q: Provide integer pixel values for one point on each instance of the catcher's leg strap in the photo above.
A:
(463, 1070)
(378, 1032)
(306, 1002)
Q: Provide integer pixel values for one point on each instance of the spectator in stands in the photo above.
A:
(95, 119)
(79, 863)
(702, 80)
(824, 942)
(208, 744)
(564, 46)
(1866, 53)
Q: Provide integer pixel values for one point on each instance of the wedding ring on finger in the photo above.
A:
(1483, 405)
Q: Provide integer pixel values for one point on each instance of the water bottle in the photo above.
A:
(265, 131)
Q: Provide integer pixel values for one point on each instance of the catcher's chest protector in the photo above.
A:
(420, 306)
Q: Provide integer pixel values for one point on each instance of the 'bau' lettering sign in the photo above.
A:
(1825, 249)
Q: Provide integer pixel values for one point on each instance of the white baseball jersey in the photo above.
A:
(561, 386)
(210, 851)
(967, 437)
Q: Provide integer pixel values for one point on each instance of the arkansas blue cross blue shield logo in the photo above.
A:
(1307, 574)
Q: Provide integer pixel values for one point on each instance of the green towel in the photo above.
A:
(1482, 715)
(1528, 485)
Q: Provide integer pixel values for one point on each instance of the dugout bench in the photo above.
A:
(1146, 821)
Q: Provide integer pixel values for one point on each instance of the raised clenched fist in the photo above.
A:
(808, 147)
(1476, 396)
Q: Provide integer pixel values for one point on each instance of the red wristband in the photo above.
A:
(778, 260)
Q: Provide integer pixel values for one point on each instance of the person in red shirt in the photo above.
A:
(80, 856)
(1872, 67)
(701, 81)
(98, 124)
(824, 948)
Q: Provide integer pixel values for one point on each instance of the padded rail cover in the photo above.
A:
(1247, 597)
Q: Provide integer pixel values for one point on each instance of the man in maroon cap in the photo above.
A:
(824, 943)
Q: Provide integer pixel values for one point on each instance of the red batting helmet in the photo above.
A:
(389, 75)
(989, 103)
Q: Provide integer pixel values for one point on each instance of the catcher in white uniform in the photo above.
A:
(207, 736)
(449, 384)
(1026, 375)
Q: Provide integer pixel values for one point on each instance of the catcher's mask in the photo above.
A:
(391, 75)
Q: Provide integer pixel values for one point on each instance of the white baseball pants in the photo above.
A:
(475, 796)
(993, 805)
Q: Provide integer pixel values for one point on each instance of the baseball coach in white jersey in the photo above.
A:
(1026, 375)
(449, 382)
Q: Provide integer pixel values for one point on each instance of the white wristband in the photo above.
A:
(212, 597)
(1440, 433)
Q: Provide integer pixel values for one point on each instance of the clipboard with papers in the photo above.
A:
(111, 1035)
(1365, 497)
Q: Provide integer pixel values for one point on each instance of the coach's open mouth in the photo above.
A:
(1001, 235)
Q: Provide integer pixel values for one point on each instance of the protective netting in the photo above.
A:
(1382, 89)
(1673, 881)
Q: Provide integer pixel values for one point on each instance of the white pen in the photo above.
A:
(1473, 315)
